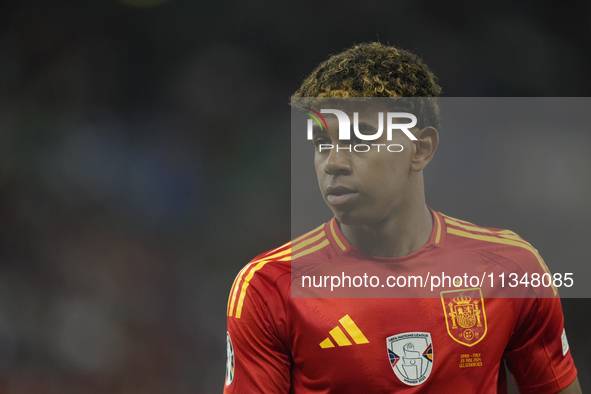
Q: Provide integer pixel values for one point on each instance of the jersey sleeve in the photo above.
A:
(537, 354)
(258, 361)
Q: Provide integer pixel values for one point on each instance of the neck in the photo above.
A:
(400, 234)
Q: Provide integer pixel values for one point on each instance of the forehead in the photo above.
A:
(368, 116)
(361, 114)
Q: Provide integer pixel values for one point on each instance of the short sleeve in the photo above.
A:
(258, 361)
(537, 354)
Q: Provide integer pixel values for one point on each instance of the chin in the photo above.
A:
(353, 218)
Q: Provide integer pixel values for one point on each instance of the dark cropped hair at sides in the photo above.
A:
(375, 70)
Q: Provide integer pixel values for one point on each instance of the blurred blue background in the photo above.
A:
(144, 160)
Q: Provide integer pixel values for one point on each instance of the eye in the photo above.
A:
(321, 140)
(357, 140)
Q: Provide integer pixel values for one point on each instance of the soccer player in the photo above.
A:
(456, 343)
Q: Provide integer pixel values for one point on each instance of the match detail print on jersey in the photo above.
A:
(564, 343)
(465, 317)
(411, 356)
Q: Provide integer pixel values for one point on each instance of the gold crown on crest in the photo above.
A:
(461, 300)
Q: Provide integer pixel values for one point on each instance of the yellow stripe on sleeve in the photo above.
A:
(508, 234)
(312, 249)
(467, 227)
(236, 286)
(307, 234)
(279, 254)
(457, 220)
(505, 242)
(514, 237)
(232, 289)
(307, 242)
(247, 282)
(438, 236)
(335, 236)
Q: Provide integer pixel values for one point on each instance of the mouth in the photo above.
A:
(340, 195)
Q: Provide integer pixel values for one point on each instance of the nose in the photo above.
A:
(338, 161)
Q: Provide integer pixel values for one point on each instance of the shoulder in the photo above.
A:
(497, 244)
(269, 274)
(258, 278)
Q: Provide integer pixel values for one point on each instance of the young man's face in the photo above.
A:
(363, 188)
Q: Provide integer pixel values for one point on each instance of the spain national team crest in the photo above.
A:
(464, 315)
(411, 356)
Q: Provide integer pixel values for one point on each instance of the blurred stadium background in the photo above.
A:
(143, 163)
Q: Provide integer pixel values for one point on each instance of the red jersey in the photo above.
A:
(456, 343)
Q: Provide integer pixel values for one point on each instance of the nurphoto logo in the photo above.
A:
(345, 129)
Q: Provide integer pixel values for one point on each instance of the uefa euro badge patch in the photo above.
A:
(411, 356)
(229, 360)
(465, 317)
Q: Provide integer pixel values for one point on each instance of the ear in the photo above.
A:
(425, 147)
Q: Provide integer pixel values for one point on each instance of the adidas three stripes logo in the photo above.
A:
(341, 338)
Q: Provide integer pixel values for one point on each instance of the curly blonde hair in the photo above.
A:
(375, 70)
